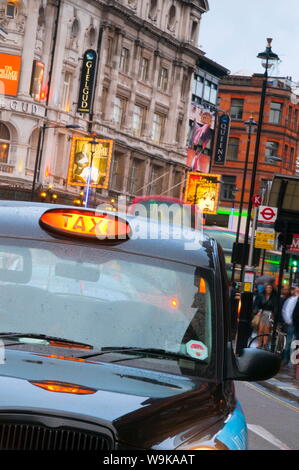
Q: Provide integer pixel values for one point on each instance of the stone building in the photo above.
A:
(147, 52)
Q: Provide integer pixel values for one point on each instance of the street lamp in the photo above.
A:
(268, 58)
(250, 125)
(93, 145)
(40, 148)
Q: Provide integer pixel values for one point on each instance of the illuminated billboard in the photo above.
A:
(203, 189)
(82, 152)
(37, 80)
(10, 66)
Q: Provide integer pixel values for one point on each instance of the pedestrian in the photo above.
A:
(286, 317)
(295, 317)
(286, 292)
(267, 306)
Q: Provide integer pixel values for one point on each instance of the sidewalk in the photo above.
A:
(284, 384)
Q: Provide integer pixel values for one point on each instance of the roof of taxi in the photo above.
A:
(20, 219)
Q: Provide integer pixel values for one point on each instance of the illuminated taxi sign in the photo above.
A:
(85, 224)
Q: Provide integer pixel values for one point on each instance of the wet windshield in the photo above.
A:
(105, 298)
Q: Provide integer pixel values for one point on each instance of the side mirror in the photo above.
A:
(253, 365)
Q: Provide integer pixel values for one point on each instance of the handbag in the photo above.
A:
(255, 322)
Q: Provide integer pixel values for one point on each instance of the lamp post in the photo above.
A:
(93, 145)
(250, 126)
(268, 59)
(40, 148)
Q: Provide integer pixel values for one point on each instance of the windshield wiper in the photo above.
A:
(55, 339)
(144, 351)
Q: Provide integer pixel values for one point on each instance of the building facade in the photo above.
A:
(240, 98)
(147, 53)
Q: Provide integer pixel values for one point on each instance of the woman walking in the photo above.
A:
(267, 305)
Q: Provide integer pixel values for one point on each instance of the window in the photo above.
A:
(171, 18)
(233, 148)
(124, 60)
(158, 127)
(109, 51)
(207, 90)
(4, 143)
(213, 96)
(197, 86)
(228, 188)
(156, 181)
(66, 92)
(153, 10)
(119, 111)
(194, 31)
(163, 79)
(178, 183)
(135, 182)
(117, 172)
(179, 128)
(236, 110)
(144, 69)
(289, 121)
(75, 29)
(138, 120)
(275, 112)
(292, 158)
(32, 150)
(11, 10)
(271, 151)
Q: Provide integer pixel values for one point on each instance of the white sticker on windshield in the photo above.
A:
(197, 349)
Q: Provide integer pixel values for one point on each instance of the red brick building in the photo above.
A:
(240, 97)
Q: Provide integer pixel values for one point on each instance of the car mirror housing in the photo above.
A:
(253, 365)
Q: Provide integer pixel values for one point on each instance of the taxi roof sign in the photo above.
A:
(76, 223)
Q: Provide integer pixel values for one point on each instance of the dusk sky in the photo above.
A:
(233, 32)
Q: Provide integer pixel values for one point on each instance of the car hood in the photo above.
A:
(142, 408)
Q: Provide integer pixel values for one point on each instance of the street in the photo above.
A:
(273, 422)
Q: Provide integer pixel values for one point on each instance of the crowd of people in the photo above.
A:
(270, 309)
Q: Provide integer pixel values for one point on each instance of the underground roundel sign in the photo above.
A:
(197, 349)
(267, 215)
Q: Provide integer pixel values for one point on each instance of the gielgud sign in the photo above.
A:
(87, 82)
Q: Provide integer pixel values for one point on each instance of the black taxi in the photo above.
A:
(113, 337)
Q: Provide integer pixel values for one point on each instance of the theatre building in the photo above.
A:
(138, 96)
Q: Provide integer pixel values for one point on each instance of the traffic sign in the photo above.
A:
(256, 200)
(265, 238)
(267, 214)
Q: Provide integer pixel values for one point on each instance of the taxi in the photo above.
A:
(114, 339)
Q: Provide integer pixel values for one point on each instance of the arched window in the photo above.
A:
(153, 10)
(75, 29)
(171, 18)
(4, 143)
(92, 36)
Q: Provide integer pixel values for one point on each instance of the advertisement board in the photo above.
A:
(222, 139)
(10, 66)
(203, 189)
(37, 80)
(82, 152)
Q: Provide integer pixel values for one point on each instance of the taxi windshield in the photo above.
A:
(105, 297)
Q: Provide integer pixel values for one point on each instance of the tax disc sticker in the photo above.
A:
(197, 349)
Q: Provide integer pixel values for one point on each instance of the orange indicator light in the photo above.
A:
(63, 387)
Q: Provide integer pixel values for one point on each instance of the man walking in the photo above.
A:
(288, 308)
